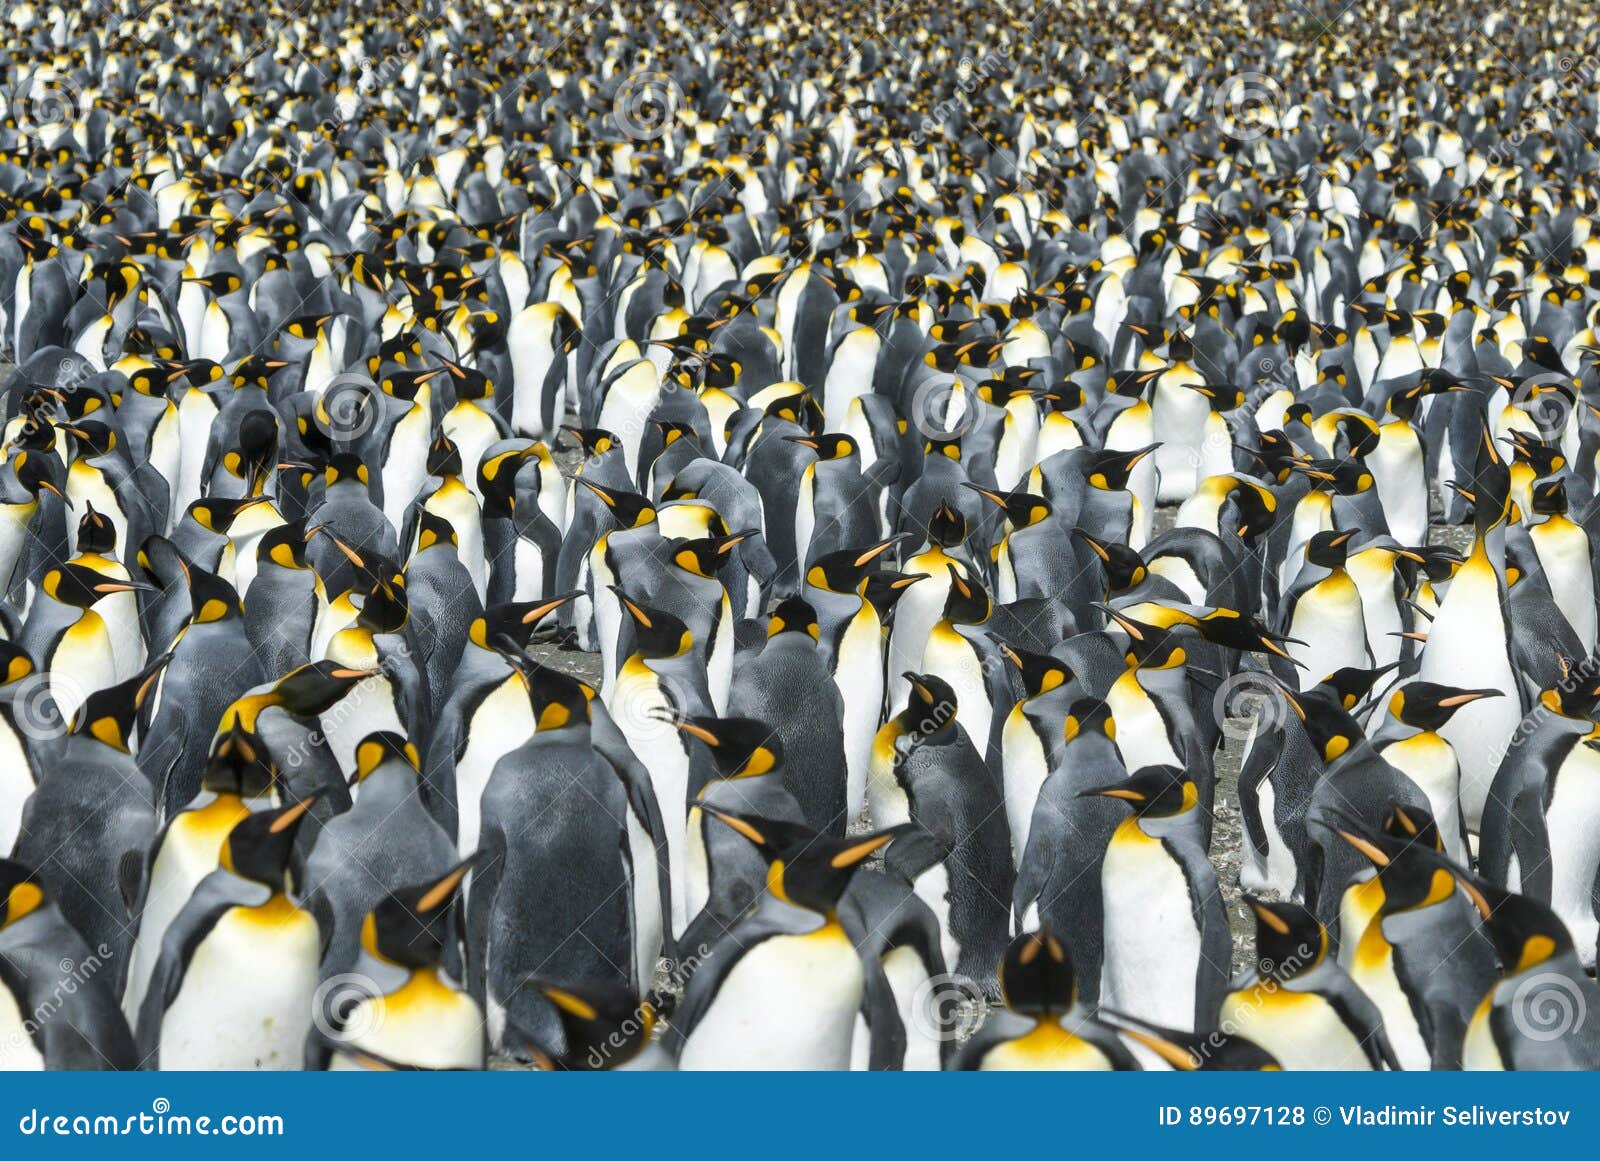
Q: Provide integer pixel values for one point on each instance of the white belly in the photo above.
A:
(1301, 1029)
(789, 1004)
(245, 1002)
(1377, 978)
(367, 708)
(1573, 822)
(640, 709)
(501, 723)
(18, 1053)
(1024, 768)
(1152, 945)
(16, 785)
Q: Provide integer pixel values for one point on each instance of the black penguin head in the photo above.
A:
(1037, 977)
(947, 527)
(38, 472)
(628, 509)
(21, 893)
(75, 584)
(385, 608)
(433, 530)
(239, 765)
(1327, 723)
(1550, 498)
(1151, 646)
(91, 438)
(444, 458)
(1022, 509)
(1124, 567)
(1489, 489)
(967, 603)
(846, 570)
(1086, 716)
(603, 1025)
(382, 747)
(1330, 549)
(804, 868)
(557, 700)
(656, 634)
(1427, 705)
(15, 663)
(884, 588)
(1254, 508)
(1216, 1051)
(1109, 470)
(1350, 685)
(516, 621)
(1289, 939)
(706, 555)
(930, 706)
(411, 926)
(108, 715)
(345, 468)
(740, 747)
(594, 441)
(259, 846)
(1153, 792)
(793, 615)
(96, 533)
(315, 688)
(217, 516)
(1406, 856)
(211, 598)
(1040, 672)
(828, 446)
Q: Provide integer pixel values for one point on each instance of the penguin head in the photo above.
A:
(968, 602)
(215, 515)
(1327, 723)
(656, 634)
(1149, 645)
(593, 441)
(1109, 470)
(1153, 792)
(444, 458)
(740, 747)
(1289, 939)
(930, 706)
(15, 663)
(108, 715)
(1037, 977)
(21, 893)
(1040, 672)
(1242, 631)
(91, 438)
(258, 848)
(96, 534)
(37, 472)
(1405, 854)
(211, 599)
(884, 588)
(828, 446)
(515, 621)
(1124, 567)
(1550, 498)
(1254, 509)
(383, 747)
(557, 699)
(793, 615)
(1216, 1051)
(705, 555)
(345, 468)
(1088, 716)
(1330, 549)
(385, 608)
(1022, 509)
(603, 1025)
(947, 527)
(410, 927)
(317, 687)
(804, 868)
(1489, 488)
(628, 509)
(433, 531)
(239, 765)
(74, 584)
(1426, 705)
(846, 570)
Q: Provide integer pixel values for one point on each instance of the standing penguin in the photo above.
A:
(417, 1018)
(1321, 614)
(1043, 1026)
(926, 770)
(787, 685)
(233, 987)
(58, 1005)
(782, 989)
(1167, 945)
(1409, 740)
(1298, 1003)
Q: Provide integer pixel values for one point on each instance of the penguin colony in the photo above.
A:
(659, 535)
